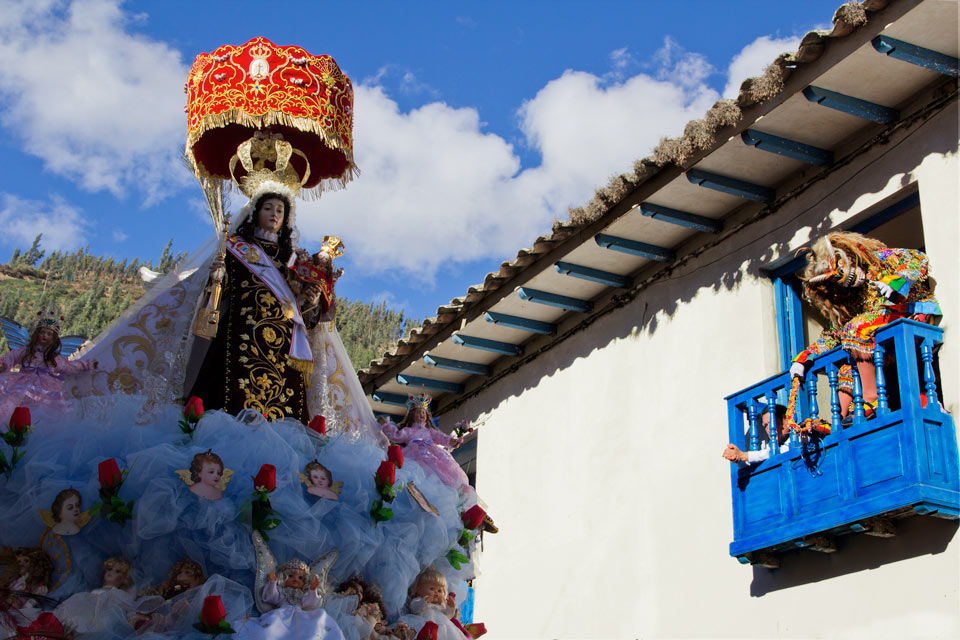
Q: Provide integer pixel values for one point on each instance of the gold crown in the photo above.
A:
(332, 246)
(254, 154)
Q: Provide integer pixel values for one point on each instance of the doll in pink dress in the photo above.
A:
(34, 374)
(428, 446)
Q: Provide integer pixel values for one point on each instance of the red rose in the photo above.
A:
(46, 625)
(429, 631)
(476, 629)
(110, 475)
(20, 419)
(194, 408)
(386, 473)
(266, 478)
(473, 517)
(319, 424)
(213, 611)
(395, 455)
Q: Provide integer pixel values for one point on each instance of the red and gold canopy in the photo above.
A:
(238, 90)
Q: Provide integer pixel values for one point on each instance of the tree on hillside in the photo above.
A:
(32, 255)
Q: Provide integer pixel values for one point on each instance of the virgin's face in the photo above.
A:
(319, 479)
(70, 510)
(419, 415)
(270, 216)
(210, 473)
(46, 337)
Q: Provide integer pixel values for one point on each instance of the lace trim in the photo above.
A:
(263, 234)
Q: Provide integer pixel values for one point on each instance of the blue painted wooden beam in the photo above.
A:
(926, 58)
(554, 299)
(593, 275)
(785, 147)
(385, 397)
(392, 416)
(853, 106)
(429, 383)
(635, 247)
(504, 348)
(523, 324)
(732, 186)
(457, 365)
(682, 218)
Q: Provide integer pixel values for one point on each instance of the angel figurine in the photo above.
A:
(66, 515)
(206, 477)
(32, 373)
(290, 598)
(319, 481)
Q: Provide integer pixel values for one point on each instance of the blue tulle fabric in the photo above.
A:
(170, 522)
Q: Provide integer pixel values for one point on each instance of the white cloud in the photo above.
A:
(436, 188)
(62, 225)
(678, 66)
(97, 104)
(754, 58)
(119, 236)
(388, 298)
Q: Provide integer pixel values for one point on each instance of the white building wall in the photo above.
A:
(600, 460)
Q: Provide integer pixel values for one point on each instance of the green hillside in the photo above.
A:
(91, 291)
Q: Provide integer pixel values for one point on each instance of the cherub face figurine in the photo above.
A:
(66, 515)
(319, 481)
(206, 477)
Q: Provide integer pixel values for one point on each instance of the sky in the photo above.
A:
(476, 123)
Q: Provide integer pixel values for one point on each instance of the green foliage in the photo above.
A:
(91, 291)
(369, 329)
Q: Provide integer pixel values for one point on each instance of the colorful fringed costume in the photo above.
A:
(847, 286)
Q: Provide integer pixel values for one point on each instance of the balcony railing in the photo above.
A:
(901, 462)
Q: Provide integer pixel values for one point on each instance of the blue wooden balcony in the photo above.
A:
(862, 477)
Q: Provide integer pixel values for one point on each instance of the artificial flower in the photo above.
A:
(20, 420)
(109, 473)
(473, 517)
(395, 455)
(266, 478)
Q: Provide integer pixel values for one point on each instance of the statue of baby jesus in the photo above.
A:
(316, 274)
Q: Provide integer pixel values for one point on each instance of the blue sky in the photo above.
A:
(477, 123)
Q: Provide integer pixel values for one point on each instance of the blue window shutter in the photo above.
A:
(789, 320)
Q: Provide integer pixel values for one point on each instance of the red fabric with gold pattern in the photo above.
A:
(237, 90)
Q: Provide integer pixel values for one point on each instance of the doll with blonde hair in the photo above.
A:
(859, 285)
(109, 606)
(431, 601)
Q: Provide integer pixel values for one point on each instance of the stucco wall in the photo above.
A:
(600, 460)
